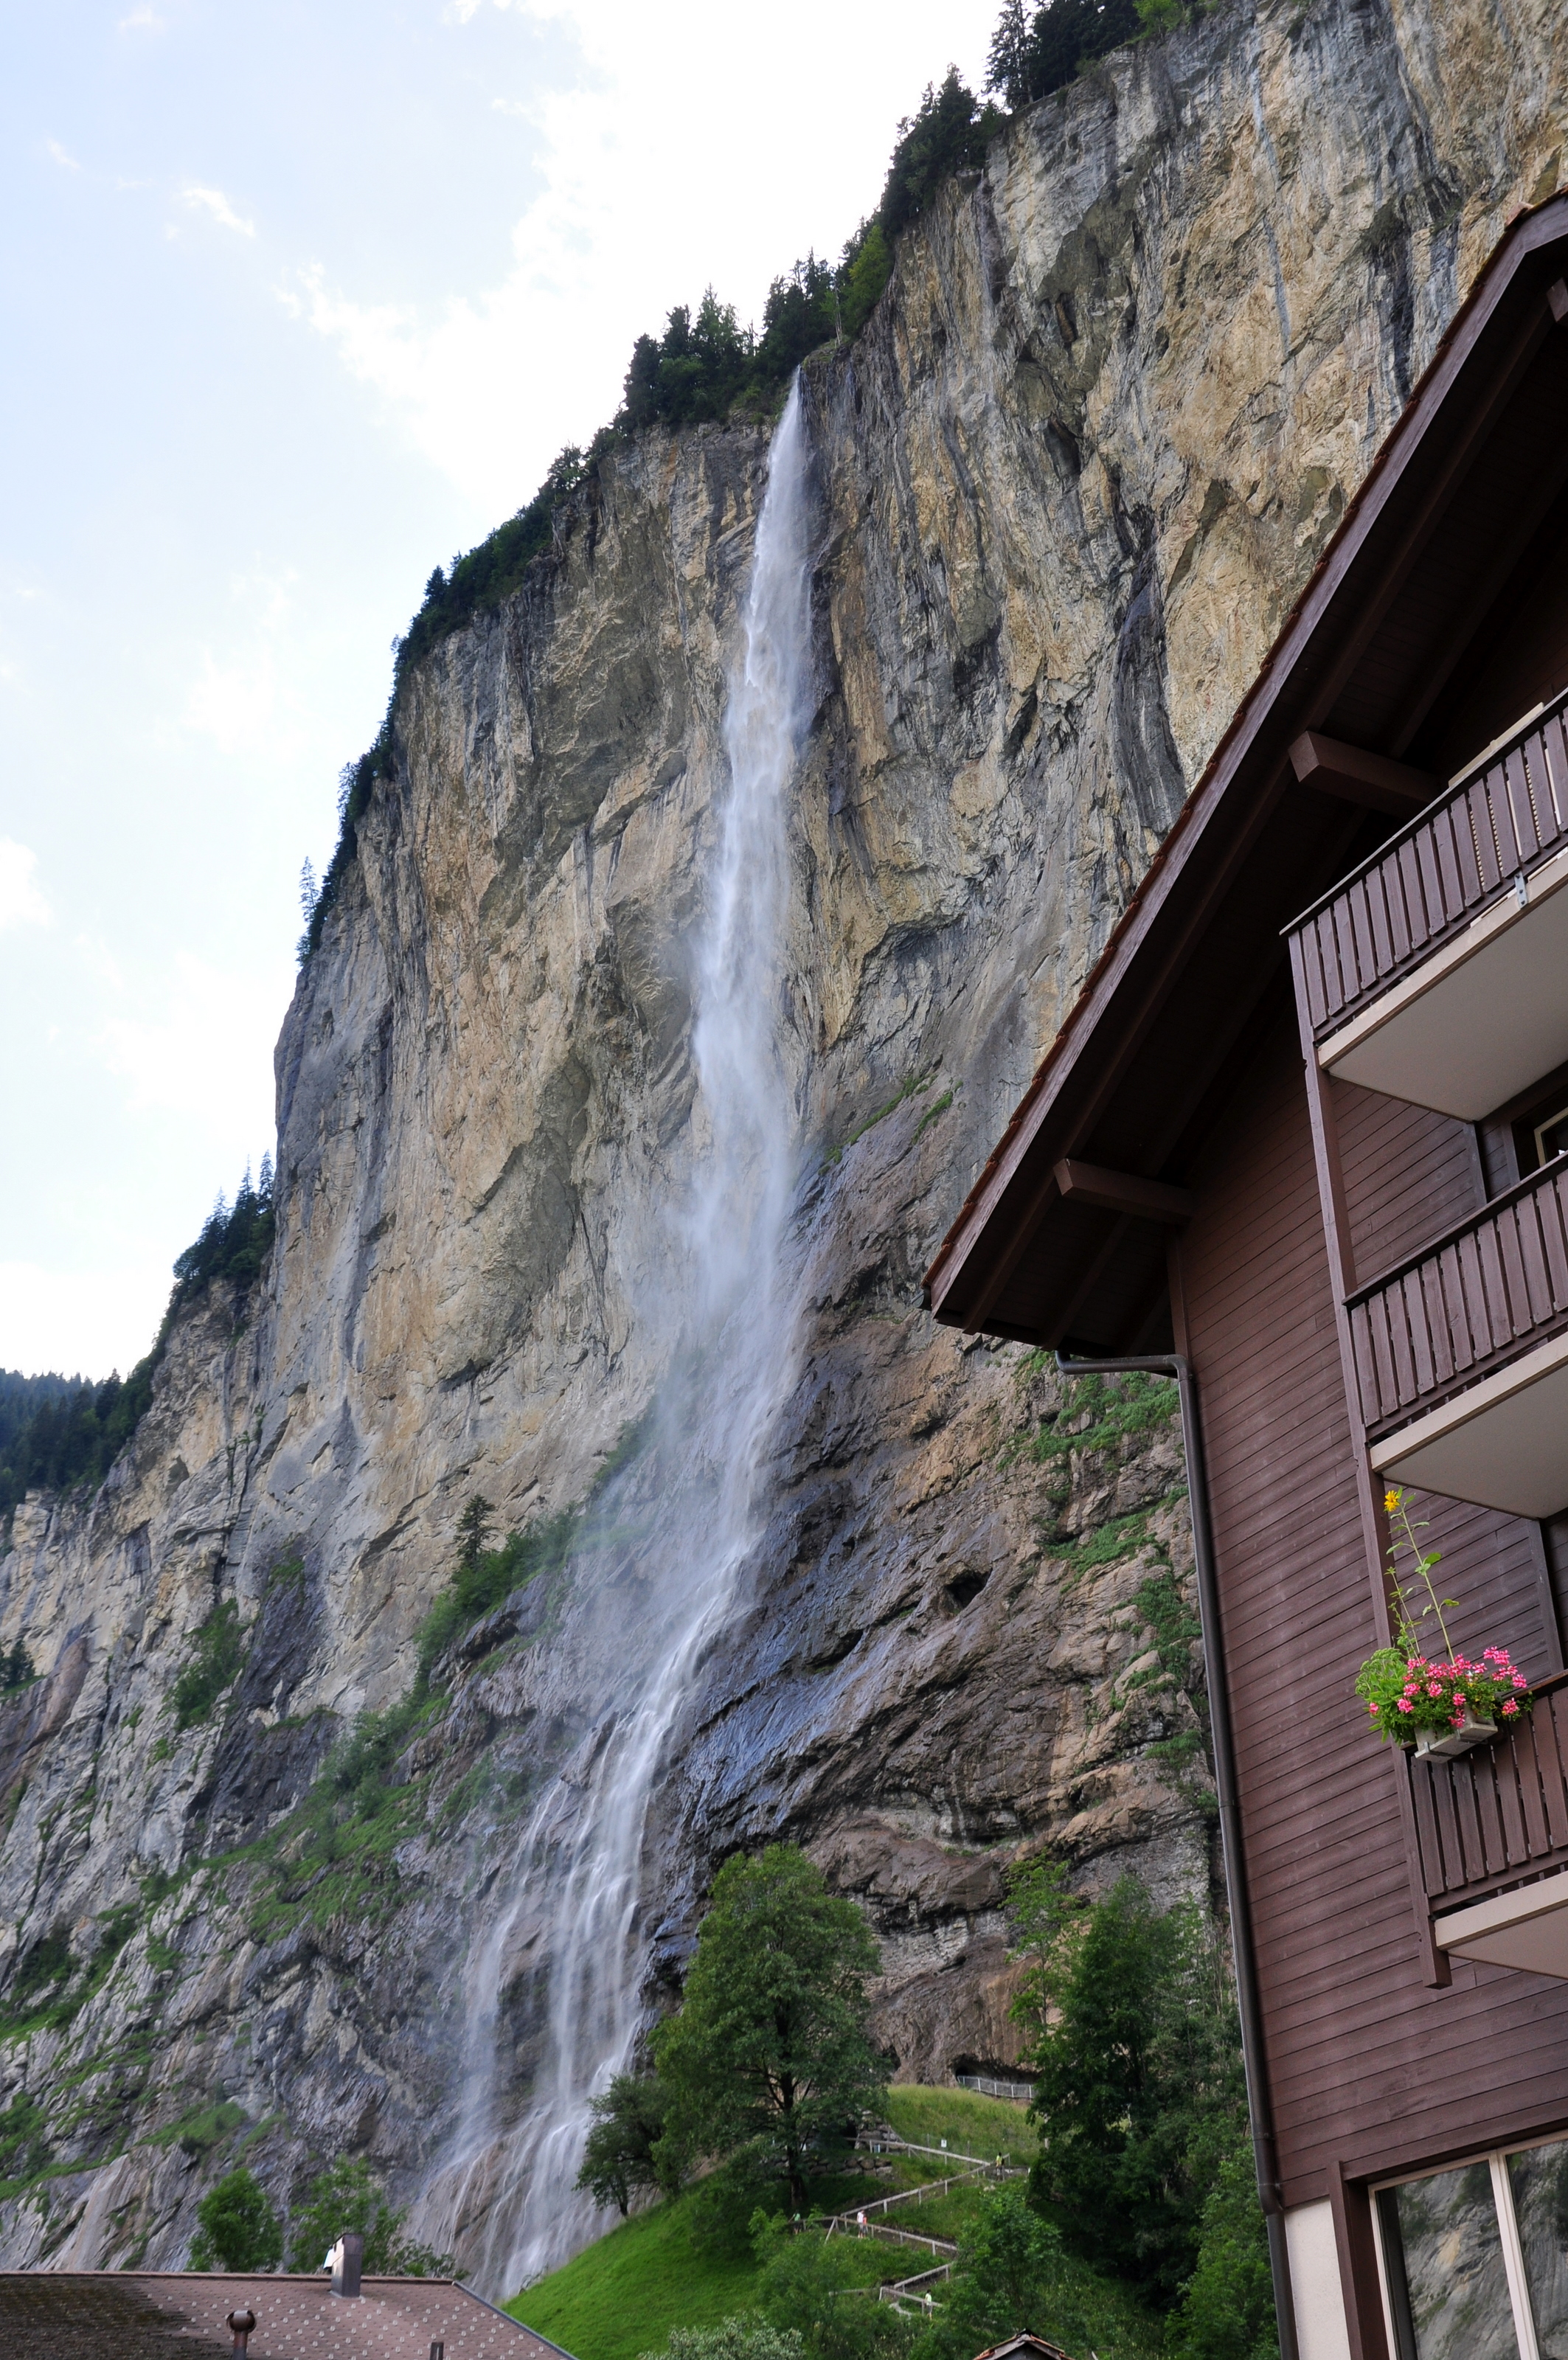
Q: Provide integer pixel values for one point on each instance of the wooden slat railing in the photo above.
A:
(1429, 881)
(1499, 1814)
(1468, 1302)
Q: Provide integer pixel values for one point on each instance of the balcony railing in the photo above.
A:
(1499, 1814)
(1470, 1302)
(1429, 881)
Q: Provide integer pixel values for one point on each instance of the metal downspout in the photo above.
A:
(1173, 1364)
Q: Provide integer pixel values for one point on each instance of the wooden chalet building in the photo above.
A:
(1303, 1140)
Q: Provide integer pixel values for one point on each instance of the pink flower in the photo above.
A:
(1433, 1689)
(1402, 1703)
(1520, 1681)
(1509, 1708)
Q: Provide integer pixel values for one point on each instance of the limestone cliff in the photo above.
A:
(1066, 486)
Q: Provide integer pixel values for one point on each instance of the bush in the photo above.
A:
(745, 2337)
(485, 1577)
(237, 2229)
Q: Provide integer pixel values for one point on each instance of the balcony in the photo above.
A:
(1492, 1841)
(1436, 973)
(1461, 1356)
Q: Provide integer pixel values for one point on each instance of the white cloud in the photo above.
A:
(719, 156)
(214, 202)
(21, 903)
(61, 155)
(203, 1048)
(81, 1322)
(143, 20)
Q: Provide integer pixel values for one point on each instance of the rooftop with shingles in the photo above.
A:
(172, 2315)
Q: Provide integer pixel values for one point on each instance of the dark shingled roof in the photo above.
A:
(179, 2315)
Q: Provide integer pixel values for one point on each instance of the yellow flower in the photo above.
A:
(1390, 1502)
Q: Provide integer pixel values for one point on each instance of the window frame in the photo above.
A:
(1401, 2337)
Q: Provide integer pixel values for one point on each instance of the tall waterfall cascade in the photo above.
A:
(660, 1562)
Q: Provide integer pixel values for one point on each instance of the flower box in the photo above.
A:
(1437, 1708)
(1441, 1745)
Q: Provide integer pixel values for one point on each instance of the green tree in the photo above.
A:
(770, 2043)
(1012, 2276)
(473, 1532)
(1226, 2311)
(946, 131)
(237, 2227)
(1138, 2085)
(621, 2155)
(348, 2196)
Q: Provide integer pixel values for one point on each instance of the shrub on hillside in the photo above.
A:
(747, 2336)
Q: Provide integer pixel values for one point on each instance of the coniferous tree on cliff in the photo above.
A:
(770, 2045)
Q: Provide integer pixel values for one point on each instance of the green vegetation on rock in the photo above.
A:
(213, 1663)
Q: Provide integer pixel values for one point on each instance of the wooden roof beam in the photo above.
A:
(1357, 776)
(1123, 1192)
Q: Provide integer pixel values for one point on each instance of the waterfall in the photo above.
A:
(641, 1615)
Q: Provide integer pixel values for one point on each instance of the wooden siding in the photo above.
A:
(1363, 2055)
(1407, 1172)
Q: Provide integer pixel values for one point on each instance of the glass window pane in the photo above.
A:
(1454, 2266)
(1540, 2181)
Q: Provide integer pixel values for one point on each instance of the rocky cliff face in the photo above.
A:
(1066, 486)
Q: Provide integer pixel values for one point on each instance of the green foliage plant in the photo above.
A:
(347, 2196)
(1404, 1689)
(770, 2043)
(24, 2144)
(1010, 2276)
(1136, 2052)
(215, 1662)
(237, 2227)
(622, 2157)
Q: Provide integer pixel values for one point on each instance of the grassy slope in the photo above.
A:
(621, 2296)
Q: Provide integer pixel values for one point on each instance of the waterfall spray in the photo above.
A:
(728, 1325)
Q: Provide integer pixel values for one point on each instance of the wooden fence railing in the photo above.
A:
(1469, 1302)
(1499, 1814)
(1428, 881)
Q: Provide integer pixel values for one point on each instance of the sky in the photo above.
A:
(300, 301)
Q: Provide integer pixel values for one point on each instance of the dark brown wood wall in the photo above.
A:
(1371, 2069)
(1408, 1174)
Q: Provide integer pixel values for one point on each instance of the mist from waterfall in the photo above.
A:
(643, 1611)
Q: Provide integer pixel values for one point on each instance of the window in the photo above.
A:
(1476, 2259)
(1551, 1136)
